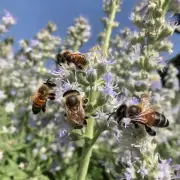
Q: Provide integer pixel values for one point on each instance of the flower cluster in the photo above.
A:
(77, 34)
(120, 73)
(7, 21)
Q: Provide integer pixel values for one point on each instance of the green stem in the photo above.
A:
(108, 30)
(90, 128)
(87, 151)
(76, 47)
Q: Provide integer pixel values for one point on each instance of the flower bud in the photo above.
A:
(101, 69)
(23, 44)
(151, 6)
(51, 27)
(140, 86)
(82, 79)
(101, 99)
(92, 77)
(167, 31)
(159, 12)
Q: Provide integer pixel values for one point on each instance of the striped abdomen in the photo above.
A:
(156, 119)
(78, 59)
(38, 104)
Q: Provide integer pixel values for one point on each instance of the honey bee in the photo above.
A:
(143, 113)
(74, 108)
(40, 98)
(66, 56)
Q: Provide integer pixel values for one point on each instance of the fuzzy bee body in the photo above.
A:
(142, 114)
(153, 118)
(40, 98)
(74, 110)
(38, 104)
(66, 56)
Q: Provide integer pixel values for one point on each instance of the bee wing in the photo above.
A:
(77, 116)
(79, 54)
(145, 103)
(142, 117)
(28, 101)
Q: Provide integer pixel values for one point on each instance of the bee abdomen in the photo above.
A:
(36, 109)
(159, 120)
(37, 105)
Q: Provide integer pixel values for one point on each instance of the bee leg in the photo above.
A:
(85, 122)
(136, 125)
(65, 114)
(79, 67)
(150, 131)
(77, 126)
(86, 101)
(44, 107)
(110, 116)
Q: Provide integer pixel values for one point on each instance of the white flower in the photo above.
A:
(9, 107)
(4, 129)
(12, 129)
(3, 28)
(2, 95)
(3, 63)
(23, 44)
(21, 165)
(43, 150)
(35, 151)
(8, 19)
(1, 155)
(43, 157)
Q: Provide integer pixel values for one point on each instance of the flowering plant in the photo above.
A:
(118, 71)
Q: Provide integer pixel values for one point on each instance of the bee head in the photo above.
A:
(72, 100)
(71, 97)
(72, 91)
(60, 57)
(43, 90)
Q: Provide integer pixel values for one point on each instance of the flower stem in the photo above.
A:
(108, 30)
(76, 47)
(87, 151)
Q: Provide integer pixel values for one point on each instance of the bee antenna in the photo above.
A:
(111, 114)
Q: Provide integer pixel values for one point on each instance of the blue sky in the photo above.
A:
(33, 15)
